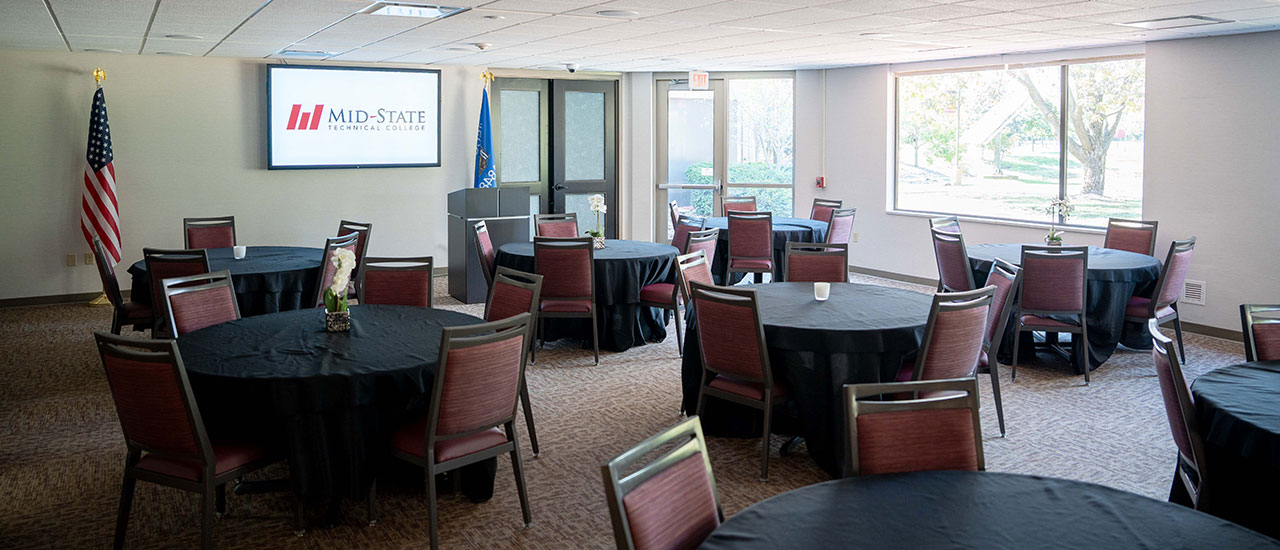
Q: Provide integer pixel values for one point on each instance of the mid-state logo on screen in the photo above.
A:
(307, 121)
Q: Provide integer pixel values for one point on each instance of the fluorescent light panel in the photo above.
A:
(412, 9)
(1175, 22)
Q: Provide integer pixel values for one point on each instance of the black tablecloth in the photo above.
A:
(622, 269)
(1238, 408)
(860, 335)
(267, 280)
(1114, 277)
(784, 230)
(972, 510)
(331, 400)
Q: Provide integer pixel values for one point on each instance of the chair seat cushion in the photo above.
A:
(752, 390)
(135, 311)
(566, 306)
(408, 439)
(227, 457)
(658, 293)
(1038, 321)
(1139, 307)
(738, 263)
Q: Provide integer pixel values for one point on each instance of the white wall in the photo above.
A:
(190, 140)
(636, 157)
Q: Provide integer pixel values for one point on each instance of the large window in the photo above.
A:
(988, 142)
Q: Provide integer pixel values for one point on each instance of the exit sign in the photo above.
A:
(699, 80)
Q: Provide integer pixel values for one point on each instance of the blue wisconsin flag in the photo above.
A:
(485, 176)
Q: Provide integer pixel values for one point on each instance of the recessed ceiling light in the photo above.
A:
(669, 59)
(412, 9)
(1175, 22)
(482, 46)
(617, 13)
(876, 35)
(173, 53)
(495, 17)
(101, 50)
(184, 37)
(305, 53)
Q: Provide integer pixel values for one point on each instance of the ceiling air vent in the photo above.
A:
(1193, 293)
(1175, 22)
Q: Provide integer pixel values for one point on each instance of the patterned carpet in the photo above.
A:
(61, 451)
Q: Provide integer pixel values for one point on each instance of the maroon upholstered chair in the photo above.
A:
(1181, 412)
(665, 296)
(123, 313)
(198, 301)
(683, 227)
(1163, 305)
(823, 208)
(327, 269)
(751, 242)
(705, 241)
(666, 503)
(811, 263)
(486, 251)
(840, 229)
(690, 268)
(217, 232)
(473, 407)
(396, 281)
(515, 292)
(164, 433)
(930, 433)
(953, 337)
(1138, 236)
(738, 204)
(735, 358)
(563, 226)
(363, 231)
(1005, 278)
(568, 274)
(167, 264)
(673, 208)
(1261, 327)
(954, 274)
(949, 224)
(1054, 283)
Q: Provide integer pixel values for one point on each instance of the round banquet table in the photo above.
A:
(861, 334)
(1114, 276)
(267, 280)
(784, 230)
(1238, 409)
(954, 509)
(330, 399)
(622, 268)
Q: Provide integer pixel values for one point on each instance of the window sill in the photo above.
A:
(996, 221)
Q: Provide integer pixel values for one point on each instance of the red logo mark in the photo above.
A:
(308, 121)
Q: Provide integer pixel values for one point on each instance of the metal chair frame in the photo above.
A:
(693, 221)
(416, 263)
(556, 218)
(850, 212)
(833, 204)
(1162, 345)
(1056, 253)
(1149, 226)
(1155, 304)
(330, 244)
(571, 243)
(745, 215)
(855, 406)
(940, 235)
(818, 249)
(1012, 273)
(942, 223)
(182, 285)
(111, 289)
(735, 201)
(485, 266)
(150, 256)
(1248, 318)
(201, 223)
(532, 283)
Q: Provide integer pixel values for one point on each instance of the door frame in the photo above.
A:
(561, 186)
(543, 88)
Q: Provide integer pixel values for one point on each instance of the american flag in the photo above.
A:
(99, 210)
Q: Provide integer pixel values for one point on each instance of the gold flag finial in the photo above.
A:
(488, 77)
(99, 75)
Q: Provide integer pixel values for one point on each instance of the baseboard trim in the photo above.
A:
(1206, 330)
(56, 299)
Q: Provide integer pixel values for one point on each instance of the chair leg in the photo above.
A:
(702, 392)
(1177, 328)
(126, 504)
(764, 440)
(432, 518)
(299, 513)
(221, 507)
(206, 518)
(679, 332)
(528, 416)
(372, 503)
(116, 323)
(541, 333)
(994, 367)
(517, 466)
(1017, 337)
(1084, 348)
(595, 335)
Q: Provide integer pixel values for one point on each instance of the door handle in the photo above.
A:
(559, 187)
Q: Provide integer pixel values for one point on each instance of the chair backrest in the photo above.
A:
(949, 224)
(666, 503)
(153, 398)
(673, 208)
(1178, 408)
(567, 267)
(1005, 277)
(396, 281)
(738, 204)
(198, 301)
(954, 274)
(1131, 235)
(823, 208)
(107, 272)
(941, 432)
(327, 269)
(1173, 277)
(557, 225)
(731, 334)
(811, 263)
(751, 235)
(167, 264)
(484, 248)
(1261, 327)
(1054, 279)
(684, 226)
(953, 338)
(840, 228)
(705, 241)
(478, 378)
(363, 231)
(512, 293)
(219, 232)
(691, 267)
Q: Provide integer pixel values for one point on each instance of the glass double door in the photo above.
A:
(559, 139)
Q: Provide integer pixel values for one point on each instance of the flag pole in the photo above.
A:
(98, 76)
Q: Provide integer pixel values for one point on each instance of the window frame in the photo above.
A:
(1064, 77)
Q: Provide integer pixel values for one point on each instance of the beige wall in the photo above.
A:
(190, 140)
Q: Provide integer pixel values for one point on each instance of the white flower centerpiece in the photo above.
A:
(1057, 209)
(599, 208)
(337, 318)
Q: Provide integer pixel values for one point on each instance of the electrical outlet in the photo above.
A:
(71, 260)
(854, 237)
(88, 258)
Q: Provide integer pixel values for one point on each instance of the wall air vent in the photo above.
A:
(1193, 293)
